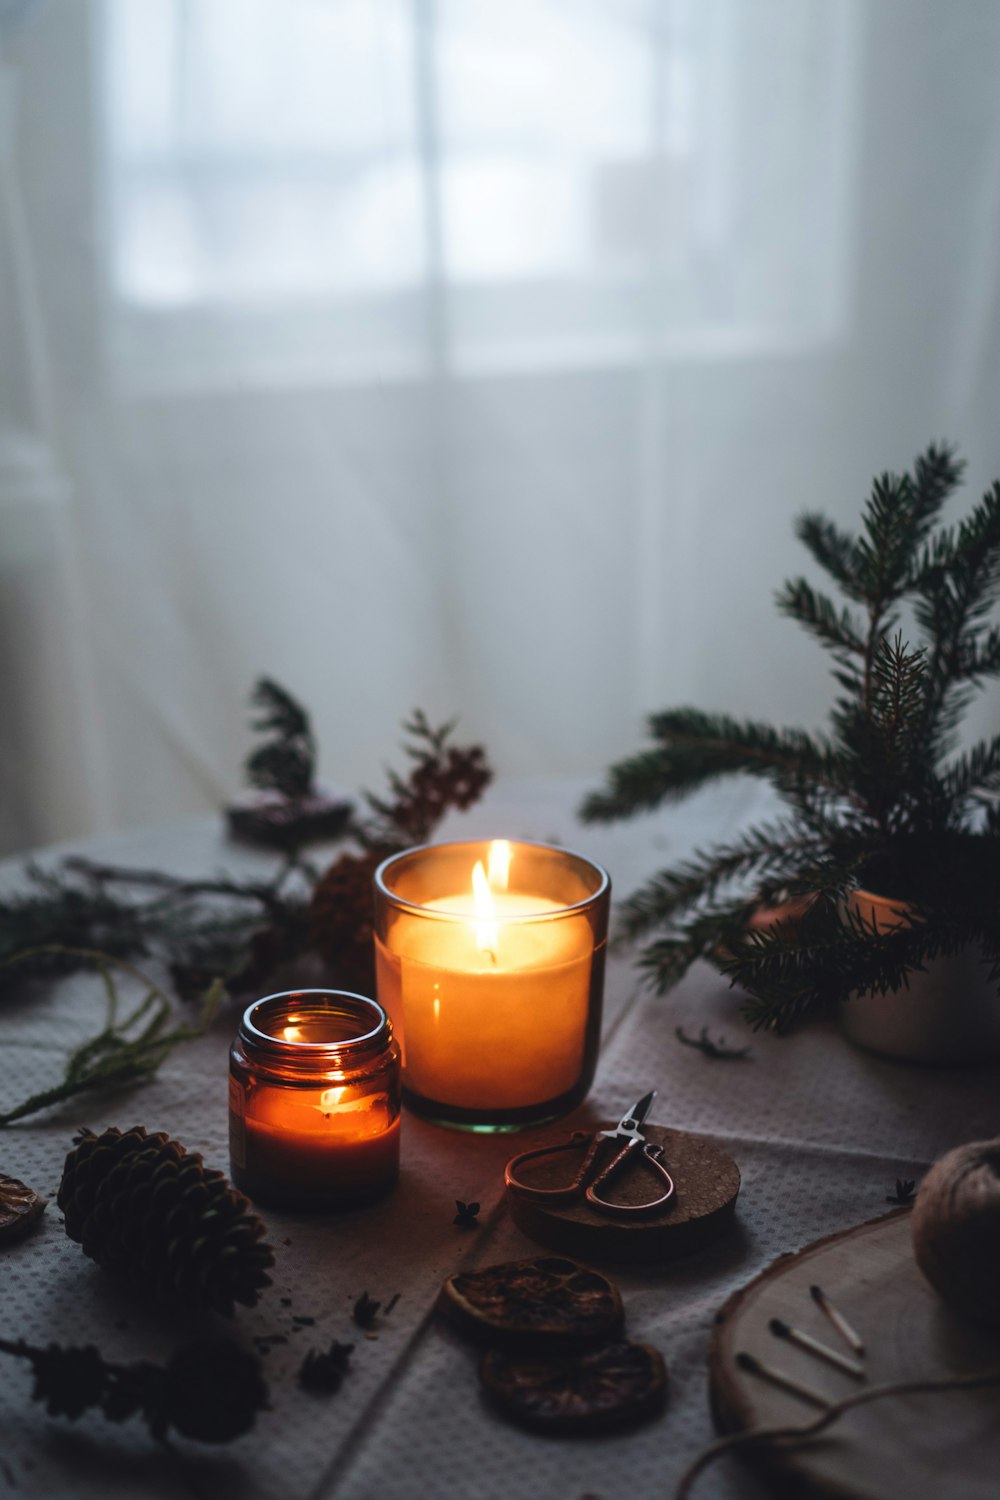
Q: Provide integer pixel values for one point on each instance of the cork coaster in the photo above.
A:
(706, 1182)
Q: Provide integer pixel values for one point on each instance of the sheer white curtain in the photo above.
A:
(473, 354)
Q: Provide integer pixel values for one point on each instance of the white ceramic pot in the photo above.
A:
(950, 1013)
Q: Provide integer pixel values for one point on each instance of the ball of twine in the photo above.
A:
(956, 1229)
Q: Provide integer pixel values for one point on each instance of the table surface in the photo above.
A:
(820, 1130)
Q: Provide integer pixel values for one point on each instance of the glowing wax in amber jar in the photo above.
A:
(314, 1101)
(490, 962)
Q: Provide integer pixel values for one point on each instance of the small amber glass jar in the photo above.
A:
(314, 1101)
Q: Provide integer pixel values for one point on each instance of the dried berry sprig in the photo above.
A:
(210, 1390)
(444, 776)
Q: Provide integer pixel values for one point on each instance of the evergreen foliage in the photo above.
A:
(880, 801)
(285, 763)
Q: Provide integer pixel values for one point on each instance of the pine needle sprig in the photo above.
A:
(239, 931)
(62, 911)
(202, 927)
(129, 1048)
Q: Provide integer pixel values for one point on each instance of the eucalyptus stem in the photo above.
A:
(119, 1054)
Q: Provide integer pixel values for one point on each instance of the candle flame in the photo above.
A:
(499, 865)
(292, 1033)
(485, 926)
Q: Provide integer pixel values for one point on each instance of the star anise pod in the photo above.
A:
(466, 1215)
(326, 1372)
(905, 1190)
(365, 1311)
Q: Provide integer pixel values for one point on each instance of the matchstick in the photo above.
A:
(837, 1319)
(755, 1366)
(782, 1330)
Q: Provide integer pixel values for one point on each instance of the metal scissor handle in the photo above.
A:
(572, 1189)
(651, 1156)
(591, 1175)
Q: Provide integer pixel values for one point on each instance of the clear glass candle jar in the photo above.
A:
(490, 961)
(314, 1101)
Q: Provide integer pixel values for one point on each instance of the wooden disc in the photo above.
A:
(706, 1182)
(921, 1447)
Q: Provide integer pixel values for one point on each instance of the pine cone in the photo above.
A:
(143, 1207)
(342, 919)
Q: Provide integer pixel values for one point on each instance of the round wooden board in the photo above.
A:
(941, 1446)
(706, 1182)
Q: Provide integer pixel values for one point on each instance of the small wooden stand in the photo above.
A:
(706, 1182)
(903, 1447)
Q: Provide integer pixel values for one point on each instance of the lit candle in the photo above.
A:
(314, 1100)
(490, 962)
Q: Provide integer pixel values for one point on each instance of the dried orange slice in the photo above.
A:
(614, 1386)
(20, 1209)
(549, 1303)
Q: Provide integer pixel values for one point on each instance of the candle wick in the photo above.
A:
(493, 957)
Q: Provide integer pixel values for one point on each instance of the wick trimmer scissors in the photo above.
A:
(607, 1154)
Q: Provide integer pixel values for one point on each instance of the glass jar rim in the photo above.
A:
(401, 903)
(380, 1030)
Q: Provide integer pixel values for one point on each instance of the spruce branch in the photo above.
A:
(832, 954)
(836, 551)
(695, 748)
(839, 632)
(874, 803)
(974, 773)
(760, 852)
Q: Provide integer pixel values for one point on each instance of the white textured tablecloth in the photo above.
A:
(820, 1130)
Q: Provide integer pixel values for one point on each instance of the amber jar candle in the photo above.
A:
(314, 1101)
